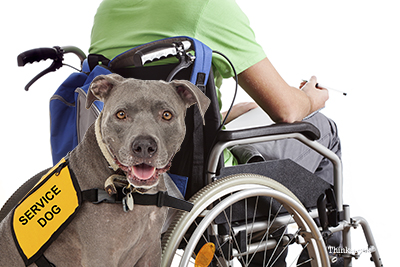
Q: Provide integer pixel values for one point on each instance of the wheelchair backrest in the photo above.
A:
(70, 119)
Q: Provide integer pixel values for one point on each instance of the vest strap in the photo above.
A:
(161, 199)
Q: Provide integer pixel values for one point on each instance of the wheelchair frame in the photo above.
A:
(344, 225)
(264, 135)
(233, 188)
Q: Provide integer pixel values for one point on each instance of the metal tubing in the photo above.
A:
(347, 237)
(263, 225)
(370, 240)
(261, 246)
(338, 171)
(296, 207)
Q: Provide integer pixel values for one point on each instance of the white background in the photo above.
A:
(349, 45)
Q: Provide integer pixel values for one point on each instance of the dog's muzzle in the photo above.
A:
(140, 173)
(143, 175)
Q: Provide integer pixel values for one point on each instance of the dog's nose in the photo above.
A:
(144, 147)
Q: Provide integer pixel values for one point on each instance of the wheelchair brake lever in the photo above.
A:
(55, 53)
(185, 60)
(53, 67)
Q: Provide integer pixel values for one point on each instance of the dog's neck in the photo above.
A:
(88, 163)
(104, 150)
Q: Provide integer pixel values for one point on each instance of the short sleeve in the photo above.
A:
(224, 27)
(120, 25)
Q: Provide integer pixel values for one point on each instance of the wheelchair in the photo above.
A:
(261, 213)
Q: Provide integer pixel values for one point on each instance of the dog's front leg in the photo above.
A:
(152, 256)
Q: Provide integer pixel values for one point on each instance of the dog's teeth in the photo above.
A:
(130, 169)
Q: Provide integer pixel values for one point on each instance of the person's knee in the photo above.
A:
(335, 144)
(329, 132)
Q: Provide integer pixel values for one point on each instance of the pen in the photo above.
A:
(318, 85)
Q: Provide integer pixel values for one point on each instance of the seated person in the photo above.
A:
(221, 25)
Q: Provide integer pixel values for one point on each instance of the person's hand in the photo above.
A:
(238, 110)
(317, 95)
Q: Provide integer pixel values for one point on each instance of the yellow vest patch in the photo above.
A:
(45, 211)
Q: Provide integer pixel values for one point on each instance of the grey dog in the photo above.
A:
(140, 129)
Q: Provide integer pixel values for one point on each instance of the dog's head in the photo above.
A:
(143, 122)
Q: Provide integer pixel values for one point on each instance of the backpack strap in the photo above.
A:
(202, 64)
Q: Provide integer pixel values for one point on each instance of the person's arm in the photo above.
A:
(282, 102)
(238, 110)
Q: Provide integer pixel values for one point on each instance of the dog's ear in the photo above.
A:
(101, 86)
(191, 94)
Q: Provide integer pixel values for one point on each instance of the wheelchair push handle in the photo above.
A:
(159, 51)
(36, 55)
(55, 53)
(44, 53)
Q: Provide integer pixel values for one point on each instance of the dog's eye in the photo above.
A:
(121, 115)
(167, 115)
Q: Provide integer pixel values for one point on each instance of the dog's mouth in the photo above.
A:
(142, 171)
(143, 175)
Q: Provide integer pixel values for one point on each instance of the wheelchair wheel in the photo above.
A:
(271, 219)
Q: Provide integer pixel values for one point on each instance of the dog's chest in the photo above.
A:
(115, 223)
(106, 233)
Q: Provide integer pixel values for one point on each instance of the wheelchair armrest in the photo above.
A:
(305, 128)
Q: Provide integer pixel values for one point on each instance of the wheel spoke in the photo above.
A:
(250, 238)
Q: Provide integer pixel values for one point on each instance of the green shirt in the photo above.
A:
(120, 25)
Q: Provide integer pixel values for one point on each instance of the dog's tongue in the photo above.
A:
(143, 171)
